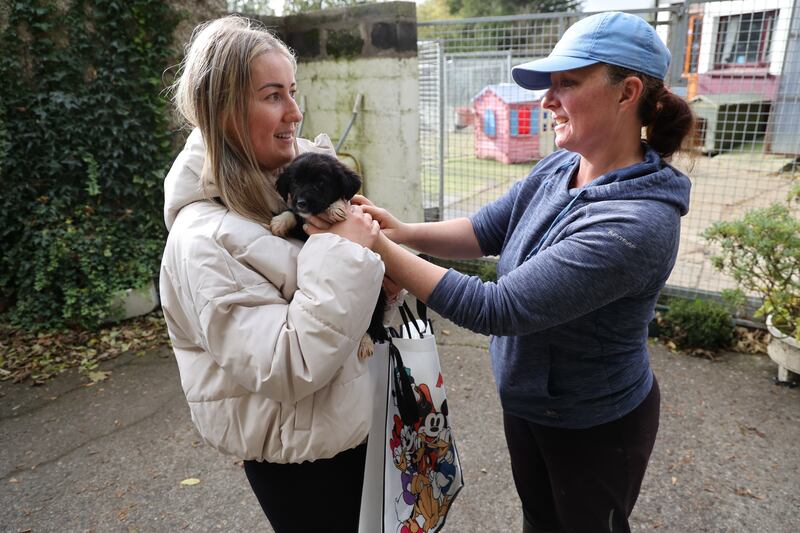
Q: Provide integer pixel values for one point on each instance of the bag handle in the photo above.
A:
(409, 318)
(404, 392)
(422, 311)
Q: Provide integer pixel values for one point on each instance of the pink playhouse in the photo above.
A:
(507, 123)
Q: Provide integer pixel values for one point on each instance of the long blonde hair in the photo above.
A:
(213, 93)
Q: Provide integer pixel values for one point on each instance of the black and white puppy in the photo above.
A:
(313, 184)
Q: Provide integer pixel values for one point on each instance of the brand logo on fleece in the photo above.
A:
(621, 239)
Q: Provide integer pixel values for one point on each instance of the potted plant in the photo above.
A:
(761, 252)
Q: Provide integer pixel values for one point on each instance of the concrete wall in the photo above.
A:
(193, 13)
(369, 50)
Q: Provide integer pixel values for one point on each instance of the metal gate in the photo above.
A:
(736, 62)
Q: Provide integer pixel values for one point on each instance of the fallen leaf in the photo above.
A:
(188, 482)
(744, 491)
(745, 429)
(96, 376)
(445, 332)
(674, 480)
(13, 480)
(699, 352)
(750, 340)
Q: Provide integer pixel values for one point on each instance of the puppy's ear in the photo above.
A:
(351, 182)
(284, 179)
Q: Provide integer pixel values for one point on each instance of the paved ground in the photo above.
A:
(111, 457)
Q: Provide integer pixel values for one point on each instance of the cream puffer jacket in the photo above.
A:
(265, 329)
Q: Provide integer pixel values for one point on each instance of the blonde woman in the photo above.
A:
(264, 330)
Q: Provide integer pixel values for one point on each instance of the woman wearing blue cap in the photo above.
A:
(586, 242)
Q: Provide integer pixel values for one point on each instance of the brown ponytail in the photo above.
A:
(668, 118)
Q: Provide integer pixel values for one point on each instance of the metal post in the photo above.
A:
(442, 131)
(678, 33)
(783, 130)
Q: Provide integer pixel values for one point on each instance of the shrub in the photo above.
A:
(699, 324)
(487, 270)
(84, 147)
(761, 252)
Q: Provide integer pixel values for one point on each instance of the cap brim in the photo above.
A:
(535, 75)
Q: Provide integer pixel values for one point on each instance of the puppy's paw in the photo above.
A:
(337, 211)
(365, 348)
(281, 224)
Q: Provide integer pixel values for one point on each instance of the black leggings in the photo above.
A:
(315, 496)
(577, 480)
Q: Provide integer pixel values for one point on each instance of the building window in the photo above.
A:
(489, 124)
(744, 40)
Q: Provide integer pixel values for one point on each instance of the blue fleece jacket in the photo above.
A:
(578, 277)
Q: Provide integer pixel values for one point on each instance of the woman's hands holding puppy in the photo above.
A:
(358, 227)
(361, 206)
(390, 225)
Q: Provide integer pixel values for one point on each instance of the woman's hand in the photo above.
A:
(358, 227)
(391, 226)
(392, 290)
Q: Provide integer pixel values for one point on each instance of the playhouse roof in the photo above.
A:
(511, 93)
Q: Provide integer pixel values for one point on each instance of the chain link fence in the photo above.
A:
(736, 62)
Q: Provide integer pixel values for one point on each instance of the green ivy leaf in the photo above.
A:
(81, 115)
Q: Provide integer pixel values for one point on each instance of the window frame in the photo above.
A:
(764, 49)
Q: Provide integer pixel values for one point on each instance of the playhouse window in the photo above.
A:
(520, 121)
(489, 123)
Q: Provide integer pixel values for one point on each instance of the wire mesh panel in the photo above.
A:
(741, 73)
(737, 63)
(466, 164)
(430, 56)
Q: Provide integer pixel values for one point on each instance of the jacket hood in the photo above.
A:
(184, 183)
(652, 179)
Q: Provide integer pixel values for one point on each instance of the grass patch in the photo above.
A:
(465, 176)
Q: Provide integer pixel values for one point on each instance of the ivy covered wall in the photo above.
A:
(85, 144)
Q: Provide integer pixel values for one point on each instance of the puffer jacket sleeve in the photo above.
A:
(289, 346)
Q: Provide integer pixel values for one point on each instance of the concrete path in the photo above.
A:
(110, 457)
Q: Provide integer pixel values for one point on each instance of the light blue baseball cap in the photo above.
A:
(616, 38)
